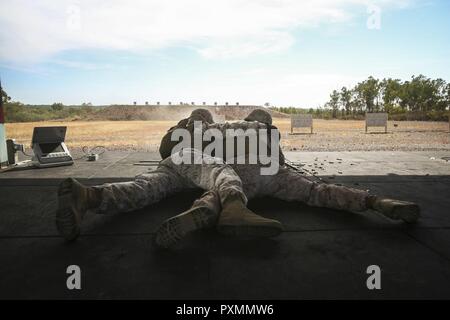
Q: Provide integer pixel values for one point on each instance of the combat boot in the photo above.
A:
(396, 209)
(74, 200)
(237, 220)
(203, 214)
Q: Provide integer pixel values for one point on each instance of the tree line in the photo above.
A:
(420, 98)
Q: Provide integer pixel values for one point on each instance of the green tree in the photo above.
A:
(426, 98)
(57, 106)
(346, 100)
(447, 95)
(334, 103)
(415, 94)
(357, 102)
(390, 89)
(5, 97)
(440, 95)
(369, 92)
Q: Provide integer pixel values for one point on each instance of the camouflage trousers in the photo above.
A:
(223, 182)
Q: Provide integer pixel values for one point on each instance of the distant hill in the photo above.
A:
(17, 112)
(173, 112)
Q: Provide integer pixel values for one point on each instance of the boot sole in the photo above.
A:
(171, 231)
(66, 221)
(245, 231)
(408, 213)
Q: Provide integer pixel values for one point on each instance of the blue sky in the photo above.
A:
(286, 52)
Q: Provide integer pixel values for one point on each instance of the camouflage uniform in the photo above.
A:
(251, 123)
(227, 189)
(169, 178)
(289, 185)
(223, 181)
(227, 182)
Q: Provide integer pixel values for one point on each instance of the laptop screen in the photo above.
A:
(49, 134)
(47, 148)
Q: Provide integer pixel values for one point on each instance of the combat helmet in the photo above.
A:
(201, 115)
(260, 116)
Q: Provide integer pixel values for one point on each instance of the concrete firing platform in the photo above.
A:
(322, 254)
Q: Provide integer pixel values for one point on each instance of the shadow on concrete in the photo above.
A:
(323, 253)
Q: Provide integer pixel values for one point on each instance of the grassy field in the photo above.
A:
(329, 135)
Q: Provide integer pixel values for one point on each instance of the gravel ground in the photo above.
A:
(338, 135)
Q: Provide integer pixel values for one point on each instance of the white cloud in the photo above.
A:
(82, 65)
(32, 31)
(242, 46)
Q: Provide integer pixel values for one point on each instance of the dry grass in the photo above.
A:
(115, 135)
(330, 135)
